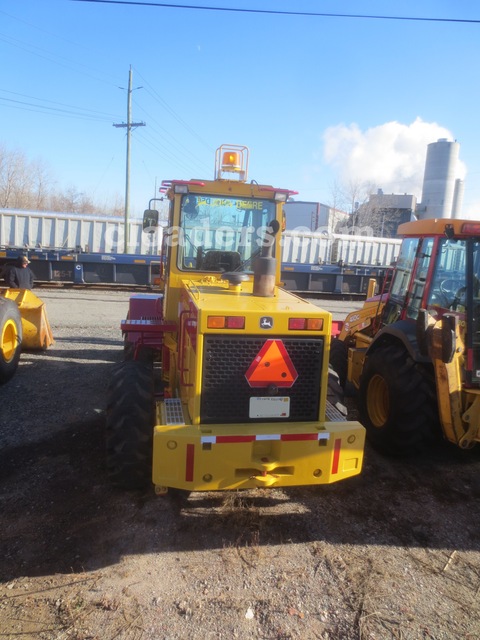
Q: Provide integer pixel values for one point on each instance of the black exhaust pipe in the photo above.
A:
(265, 266)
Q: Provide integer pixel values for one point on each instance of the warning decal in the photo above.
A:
(272, 365)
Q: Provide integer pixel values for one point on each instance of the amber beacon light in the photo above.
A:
(231, 159)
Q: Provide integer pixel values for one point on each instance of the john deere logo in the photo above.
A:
(266, 322)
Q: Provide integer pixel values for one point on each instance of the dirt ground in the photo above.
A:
(393, 553)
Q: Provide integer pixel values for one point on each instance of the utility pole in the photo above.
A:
(129, 125)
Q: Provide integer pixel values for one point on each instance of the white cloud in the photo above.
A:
(391, 155)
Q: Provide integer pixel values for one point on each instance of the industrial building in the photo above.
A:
(314, 216)
(442, 197)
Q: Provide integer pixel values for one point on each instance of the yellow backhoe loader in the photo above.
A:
(413, 351)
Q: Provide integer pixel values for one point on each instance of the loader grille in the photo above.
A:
(226, 393)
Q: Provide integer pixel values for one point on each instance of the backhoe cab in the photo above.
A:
(224, 385)
(413, 352)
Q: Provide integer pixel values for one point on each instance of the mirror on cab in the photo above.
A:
(150, 220)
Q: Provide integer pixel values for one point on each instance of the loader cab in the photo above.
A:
(218, 226)
(440, 272)
(455, 290)
(431, 273)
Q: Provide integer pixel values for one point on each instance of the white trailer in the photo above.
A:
(90, 249)
(308, 247)
(88, 233)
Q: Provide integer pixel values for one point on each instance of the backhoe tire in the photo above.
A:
(397, 402)
(10, 338)
(129, 425)
(339, 360)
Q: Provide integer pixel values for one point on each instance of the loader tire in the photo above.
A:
(128, 350)
(397, 402)
(129, 425)
(143, 353)
(10, 338)
(339, 360)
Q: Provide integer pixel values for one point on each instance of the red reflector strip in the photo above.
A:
(284, 437)
(289, 437)
(336, 455)
(189, 462)
(227, 439)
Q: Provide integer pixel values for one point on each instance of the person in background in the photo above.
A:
(19, 276)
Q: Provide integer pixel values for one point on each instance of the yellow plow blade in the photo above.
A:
(37, 333)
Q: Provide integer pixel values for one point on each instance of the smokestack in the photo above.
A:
(439, 179)
(265, 266)
(458, 198)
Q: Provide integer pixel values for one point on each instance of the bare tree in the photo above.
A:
(41, 182)
(28, 185)
(12, 177)
(350, 196)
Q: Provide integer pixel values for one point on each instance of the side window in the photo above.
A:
(420, 278)
(404, 268)
(449, 276)
(401, 280)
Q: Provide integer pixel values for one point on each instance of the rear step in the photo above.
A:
(333, 414)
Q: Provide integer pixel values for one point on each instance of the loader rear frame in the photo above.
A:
(225, 379)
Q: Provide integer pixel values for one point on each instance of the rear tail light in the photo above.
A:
(226, 322)
(305, 324)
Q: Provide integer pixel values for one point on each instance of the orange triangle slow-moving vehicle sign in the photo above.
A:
(272, 365)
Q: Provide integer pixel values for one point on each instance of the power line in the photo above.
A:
(164, 133)
(52, 57)
(48, 33)
(284, 13)
(61, 104)
(152, 91)
(165, 146)
(153, 145)
(39, 108)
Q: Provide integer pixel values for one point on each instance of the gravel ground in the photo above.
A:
(393, 553)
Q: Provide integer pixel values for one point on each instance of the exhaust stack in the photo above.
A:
(265, 266)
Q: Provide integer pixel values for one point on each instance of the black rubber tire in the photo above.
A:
(129, 425)
(339, 359)
(144, 354)
(128, 349)
(10, 338)
(397, 402)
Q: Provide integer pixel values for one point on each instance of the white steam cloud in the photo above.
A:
(390, 156)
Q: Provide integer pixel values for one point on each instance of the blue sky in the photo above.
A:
(317, 100)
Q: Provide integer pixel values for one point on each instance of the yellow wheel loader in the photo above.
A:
(413, 352)
(10, 339)
(23, 325)
(225, 379)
